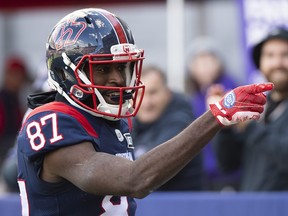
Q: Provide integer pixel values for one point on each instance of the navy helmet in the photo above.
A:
(94, 36)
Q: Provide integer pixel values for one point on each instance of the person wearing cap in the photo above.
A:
(260, 148)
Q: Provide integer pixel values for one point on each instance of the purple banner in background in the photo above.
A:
(257, 18)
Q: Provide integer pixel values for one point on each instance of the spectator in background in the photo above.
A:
(163, 114)
(10, 171)
(15, 77)
(261, 148)
(11, 110)
(205, 67)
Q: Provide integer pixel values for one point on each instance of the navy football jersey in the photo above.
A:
(56, 125)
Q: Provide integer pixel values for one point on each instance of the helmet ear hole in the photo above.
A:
(62, 75)
(87, 20)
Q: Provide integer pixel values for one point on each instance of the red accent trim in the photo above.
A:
(64, 108)
(119, 31)
(130, 124)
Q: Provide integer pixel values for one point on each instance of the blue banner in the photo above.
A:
(257, 18)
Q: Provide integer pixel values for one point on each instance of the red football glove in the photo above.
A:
(241, 104)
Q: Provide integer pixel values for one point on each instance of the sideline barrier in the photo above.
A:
(191, 204)
(10, 205)
(214, 204)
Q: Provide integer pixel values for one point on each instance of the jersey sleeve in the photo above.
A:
(46, 130)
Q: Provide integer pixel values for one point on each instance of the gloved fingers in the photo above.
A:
(258, 88)
(243, 106)
(259, 98)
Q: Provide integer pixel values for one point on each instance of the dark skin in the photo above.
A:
(107, 75)
(104, 174)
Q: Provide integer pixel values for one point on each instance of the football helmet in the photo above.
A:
(87, 37)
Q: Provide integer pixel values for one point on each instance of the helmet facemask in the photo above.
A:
(126, 99)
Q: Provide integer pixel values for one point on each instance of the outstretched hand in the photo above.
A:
(241, 104)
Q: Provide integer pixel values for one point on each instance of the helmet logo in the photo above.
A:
(69, 34)
(126, 48)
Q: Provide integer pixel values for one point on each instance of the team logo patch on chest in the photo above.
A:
(129, 140)
(126, 136)
(119, 135)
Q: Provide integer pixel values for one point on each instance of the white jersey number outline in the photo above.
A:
(34, 132)
(109, 207)
(115, 209)
(23, 198)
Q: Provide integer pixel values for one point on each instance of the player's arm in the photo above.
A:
(105, 174)
(101, 173)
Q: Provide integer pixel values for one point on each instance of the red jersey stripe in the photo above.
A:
(119, 31)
